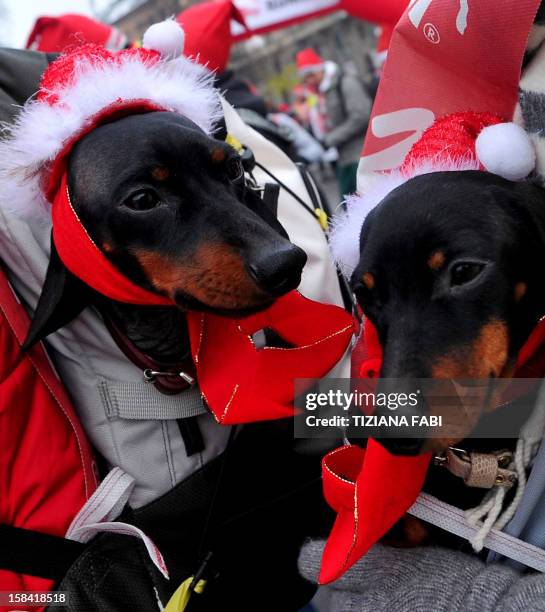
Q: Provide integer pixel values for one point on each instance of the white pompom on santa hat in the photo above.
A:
(166, 37)
(461, 141)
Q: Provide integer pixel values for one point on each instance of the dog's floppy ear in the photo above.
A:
(63, 297)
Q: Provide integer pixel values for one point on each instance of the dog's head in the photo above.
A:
(167, 205)
(450, 275)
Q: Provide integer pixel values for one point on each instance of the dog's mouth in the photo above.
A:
(466, 383)
(459, 406)
(218, 279)
(230, 308)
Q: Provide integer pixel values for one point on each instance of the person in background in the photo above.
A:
(55, 34)
(347, 107)
(305, 145)
(300, 107)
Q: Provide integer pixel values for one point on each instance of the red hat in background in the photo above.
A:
(55, 34)
(383, 40)
(385, 13)
(207, 28)
(308, 61)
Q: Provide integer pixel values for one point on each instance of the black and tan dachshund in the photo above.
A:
(451, 274)
(168, 206)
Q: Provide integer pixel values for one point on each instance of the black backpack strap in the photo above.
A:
(271, 193)
(191, 435)
(36, 554)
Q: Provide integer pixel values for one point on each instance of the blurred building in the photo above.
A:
(268, 61)
(134, 16)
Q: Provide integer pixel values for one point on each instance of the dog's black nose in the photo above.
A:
(401, 436)
(278, 271)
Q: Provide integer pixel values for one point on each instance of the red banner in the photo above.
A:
(262, 16)
(375, 11)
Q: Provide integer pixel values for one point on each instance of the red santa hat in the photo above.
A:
(81, 90)
(308, 61)
(57, 34)
(461, 141)
(91, 86)
(384, 35)
(207, 28)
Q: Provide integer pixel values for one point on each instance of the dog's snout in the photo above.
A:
(402, 436)
(278, 271)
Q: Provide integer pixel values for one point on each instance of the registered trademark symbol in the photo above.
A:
(431, 33)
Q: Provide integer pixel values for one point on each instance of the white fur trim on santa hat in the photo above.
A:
(166, 37)
(311, 69)
(506, 149)
(344, 238)
(41, 129)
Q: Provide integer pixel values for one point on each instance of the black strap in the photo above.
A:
(206, 567)
(318, 201)
(191, 435)
(36, 554)
(316, 196)
(271, 192)
(207, 533)
(287, 189)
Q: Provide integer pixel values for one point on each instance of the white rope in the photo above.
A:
(522, 460)
(489, 510)
(488, 514)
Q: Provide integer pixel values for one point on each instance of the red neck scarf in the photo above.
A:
(85, 260)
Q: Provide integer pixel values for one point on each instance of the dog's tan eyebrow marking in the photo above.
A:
(368, 280)
(436, 260)
(160, 173)
(520, 291)
(218, 155)
(108, 247)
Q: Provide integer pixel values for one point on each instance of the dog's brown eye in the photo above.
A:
(142, 200)
(463, 272)
(235, 171)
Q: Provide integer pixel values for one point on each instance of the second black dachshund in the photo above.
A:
(451, 275)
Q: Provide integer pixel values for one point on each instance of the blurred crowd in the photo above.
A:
(323, 120)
